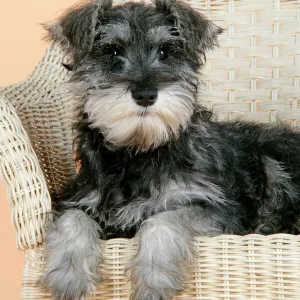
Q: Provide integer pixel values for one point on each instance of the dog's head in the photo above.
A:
(137, 65)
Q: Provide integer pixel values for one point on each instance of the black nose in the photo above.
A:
(144, 96)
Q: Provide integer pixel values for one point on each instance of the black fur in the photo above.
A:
(230, 155)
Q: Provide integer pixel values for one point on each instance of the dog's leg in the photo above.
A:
(72, 256)
(165, 248)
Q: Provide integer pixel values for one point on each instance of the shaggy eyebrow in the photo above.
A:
(115, 31)
(160, 34)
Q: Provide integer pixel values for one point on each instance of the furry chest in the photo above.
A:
(129, 212)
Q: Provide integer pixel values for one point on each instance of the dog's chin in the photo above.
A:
(125, 124)
(141, 132)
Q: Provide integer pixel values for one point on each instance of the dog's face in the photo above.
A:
(137, 65)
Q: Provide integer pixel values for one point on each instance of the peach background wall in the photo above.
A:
(21, 48)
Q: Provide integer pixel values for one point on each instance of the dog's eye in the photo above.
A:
(171, 48)
(112, 50)
(163, 52)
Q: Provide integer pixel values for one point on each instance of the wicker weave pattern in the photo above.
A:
(46, 108)
(27, 188)
(225, 267)
(40, 86)
(255, 72)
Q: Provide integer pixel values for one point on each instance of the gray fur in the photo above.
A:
(112, 32)
(165, 251)
(174, 196)
(89, 203)
(76, 28)
(279, 182)
(280, 187)
(72, 256)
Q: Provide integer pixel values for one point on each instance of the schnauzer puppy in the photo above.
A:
(153, 163)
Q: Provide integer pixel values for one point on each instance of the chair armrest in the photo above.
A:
(27, 189)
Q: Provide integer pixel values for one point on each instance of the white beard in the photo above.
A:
(124, 123)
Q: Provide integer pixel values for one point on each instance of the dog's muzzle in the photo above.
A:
(144, 96)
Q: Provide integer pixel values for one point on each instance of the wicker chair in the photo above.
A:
(255, 75)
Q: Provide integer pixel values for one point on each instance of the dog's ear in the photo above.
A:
(200, 33)
(75, 29)
(164, 5)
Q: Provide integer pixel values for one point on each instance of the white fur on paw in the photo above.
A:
(70, 286)
(72, 248)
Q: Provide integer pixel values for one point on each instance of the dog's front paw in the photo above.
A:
(151, 285)
(67, 284)
(72, 254)
(145, 294)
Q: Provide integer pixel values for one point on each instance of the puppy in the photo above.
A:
(153, 163)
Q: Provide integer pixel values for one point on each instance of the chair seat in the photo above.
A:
(225, 267)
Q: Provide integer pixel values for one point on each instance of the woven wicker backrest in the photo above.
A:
(46, 109)
(254, 75)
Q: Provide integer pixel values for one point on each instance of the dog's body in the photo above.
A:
(151, 159)
(240, 172)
